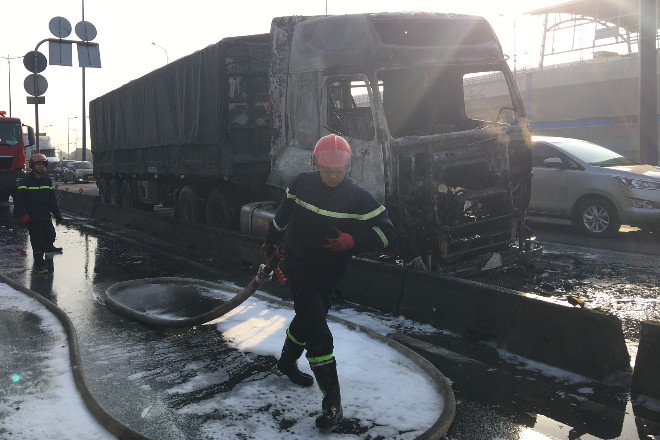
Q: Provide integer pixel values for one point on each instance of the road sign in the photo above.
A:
(85, 31)
(89, 55)
(60, 53)
(35, 84)
(29, 61)
(60, 27)
(36, 99)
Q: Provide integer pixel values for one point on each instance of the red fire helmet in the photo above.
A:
(35, 158)
(332, 151)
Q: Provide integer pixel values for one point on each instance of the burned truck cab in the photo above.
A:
(450, 159)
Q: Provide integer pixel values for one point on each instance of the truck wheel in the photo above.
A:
(188, 208)
(115, 196)
(126, 194)
(218, 212)
(597, 216)
(104, 194)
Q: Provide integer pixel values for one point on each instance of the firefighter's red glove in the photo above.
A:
(343, 242)
(58, 218)
(25, 219)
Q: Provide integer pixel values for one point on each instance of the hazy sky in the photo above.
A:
(126, 30)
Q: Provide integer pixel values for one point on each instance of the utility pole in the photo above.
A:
(9, 58)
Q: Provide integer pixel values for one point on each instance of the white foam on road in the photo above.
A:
(45, 404)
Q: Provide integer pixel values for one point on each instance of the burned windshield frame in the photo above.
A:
(430, 99)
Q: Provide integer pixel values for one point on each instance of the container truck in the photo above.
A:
(219, 134)
(12, 153)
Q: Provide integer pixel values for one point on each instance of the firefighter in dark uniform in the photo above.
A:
(34, 205)
(328, 218)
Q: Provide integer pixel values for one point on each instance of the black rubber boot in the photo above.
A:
(331, 411)
(39, 262)
(288, 364)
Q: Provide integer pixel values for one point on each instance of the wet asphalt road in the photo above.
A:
(628, 239)
(498, 396)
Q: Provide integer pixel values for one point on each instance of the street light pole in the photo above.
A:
(9, 58)
(167, 57)
(68, 132)
(515, 54)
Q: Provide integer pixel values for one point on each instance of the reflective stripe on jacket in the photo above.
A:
(315, 209)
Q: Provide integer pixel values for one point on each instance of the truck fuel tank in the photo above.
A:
(255, 218)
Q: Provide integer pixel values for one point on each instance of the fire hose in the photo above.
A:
(264, 273)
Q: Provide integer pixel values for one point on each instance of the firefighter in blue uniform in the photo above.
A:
(328, 218)
(34, 205)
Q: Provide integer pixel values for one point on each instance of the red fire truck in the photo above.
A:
(12, 154)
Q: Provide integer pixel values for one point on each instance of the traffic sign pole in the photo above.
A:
(36, 103)
(36, 62)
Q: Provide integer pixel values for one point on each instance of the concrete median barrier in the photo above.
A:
(70, 201)
(579, 340)
(646, 379)
(381, 289)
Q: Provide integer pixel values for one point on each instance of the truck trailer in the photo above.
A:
(219, 134)
(12, 153)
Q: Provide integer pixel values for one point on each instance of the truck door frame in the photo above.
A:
(358, 126)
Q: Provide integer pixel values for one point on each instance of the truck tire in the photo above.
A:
(104, 194)
(218, 212)
(188, 207)
(127, 199)
(115, 195)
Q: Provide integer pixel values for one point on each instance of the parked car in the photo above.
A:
(59, 169)
(594, 187)
(78, 171)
